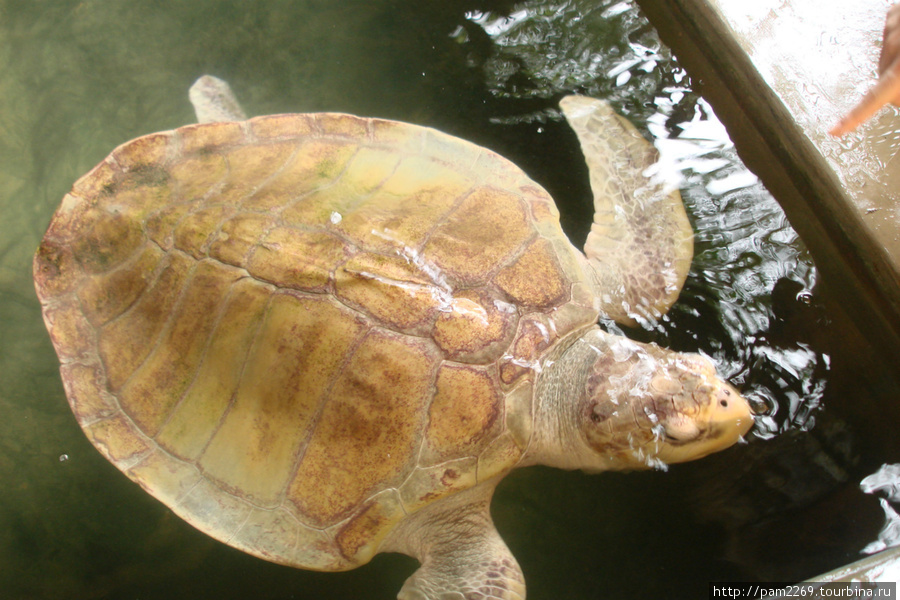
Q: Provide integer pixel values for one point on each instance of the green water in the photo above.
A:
(78, 78)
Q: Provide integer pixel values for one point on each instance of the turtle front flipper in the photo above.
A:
(461, 552)
(640, 245)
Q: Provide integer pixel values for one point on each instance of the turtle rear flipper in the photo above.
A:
(640, 245)
(461, 552)
(214, 101)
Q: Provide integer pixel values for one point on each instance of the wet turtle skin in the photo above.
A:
(297, 330)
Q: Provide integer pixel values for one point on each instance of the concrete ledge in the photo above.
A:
(779, 78)
(883, 567)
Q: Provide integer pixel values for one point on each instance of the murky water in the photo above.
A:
(80, 77)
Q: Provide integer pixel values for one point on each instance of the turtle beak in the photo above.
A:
(724, 422)
(731, 414)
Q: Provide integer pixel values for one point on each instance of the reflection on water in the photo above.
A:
(83, 76)
(885, 480)
(543, 48)
(744, 244)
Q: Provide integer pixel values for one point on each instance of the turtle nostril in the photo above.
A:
(724, 395)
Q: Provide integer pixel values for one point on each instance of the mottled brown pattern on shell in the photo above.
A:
(108, 295)
(535, 279)
(194, 420)
(238, 237)
(286, 376)
(391, 290)
(200, 138)
(152, 390)
(466, 412)
(197, 175)
(477, 326)
(194, 232)
(369, 427)
(292, 287)
(488, 228)
(533, 339)
(302, 260)
(126, 342)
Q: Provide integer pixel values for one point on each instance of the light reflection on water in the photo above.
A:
(85, 76)
(885, 481)
(744, 244)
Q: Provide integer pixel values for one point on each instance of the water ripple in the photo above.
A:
(745, 250)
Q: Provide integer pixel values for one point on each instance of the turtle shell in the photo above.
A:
(298, 329)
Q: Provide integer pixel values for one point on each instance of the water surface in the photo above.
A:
(80, 77)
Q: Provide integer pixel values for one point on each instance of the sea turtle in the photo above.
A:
(316, 337)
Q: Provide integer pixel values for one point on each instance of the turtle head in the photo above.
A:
(646, 406)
